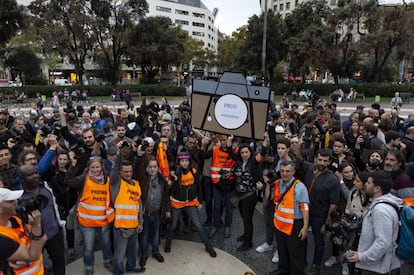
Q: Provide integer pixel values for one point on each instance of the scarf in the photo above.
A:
(98, 179)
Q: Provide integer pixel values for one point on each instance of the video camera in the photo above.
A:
(344, 231)
(27, 205)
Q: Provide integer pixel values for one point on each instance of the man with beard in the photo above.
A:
(394, 164)
(51, 223)
(376, 249)
(324, 191)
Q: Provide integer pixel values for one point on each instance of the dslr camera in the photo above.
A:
(27, 205)
(344, 231)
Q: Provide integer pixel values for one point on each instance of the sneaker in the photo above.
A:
(345, 269)
(313, 270)
(135, 269)
(227, 232)
(330, 262)
(264, 247)
(275, 258)
(210, 250)
(212, 232)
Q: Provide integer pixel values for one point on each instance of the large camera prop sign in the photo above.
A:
(230, 106)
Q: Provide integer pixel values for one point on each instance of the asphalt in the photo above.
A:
(188, 255)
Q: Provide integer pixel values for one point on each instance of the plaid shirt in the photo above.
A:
(8, 176)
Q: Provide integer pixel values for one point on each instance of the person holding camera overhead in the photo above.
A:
(94, 211)
(20, 249)
(51, 221)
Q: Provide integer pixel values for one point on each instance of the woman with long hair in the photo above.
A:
(246, 175)
(94, 211)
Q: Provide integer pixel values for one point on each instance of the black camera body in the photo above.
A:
(27, 205)
(99, 137)
(344, 231)
(144, 145)
(77, 149)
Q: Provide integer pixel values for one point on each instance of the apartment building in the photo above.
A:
(192, 15)
(284, 7)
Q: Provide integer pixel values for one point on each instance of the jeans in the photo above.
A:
(316, 224)
(191, 212)
(246, 208)
(121, 246)
(208, 197)
(56, 249)
(222, 201)
(150, 233)
(89, 234)
(268, 213)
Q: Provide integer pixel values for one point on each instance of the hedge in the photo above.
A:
(98, 90)
(368, 89)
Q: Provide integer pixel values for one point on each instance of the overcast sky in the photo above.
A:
(233, 13)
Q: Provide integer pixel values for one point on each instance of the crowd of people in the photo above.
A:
(127, 176)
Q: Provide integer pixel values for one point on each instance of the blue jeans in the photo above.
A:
(121, 246)
(150, 233)
(192, 214)
(89, 234)
(316, 224)
(222, 202)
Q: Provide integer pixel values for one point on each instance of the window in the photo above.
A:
(163, 9)
(198, 34)
(281, 7)
(181, 22)
(333, 2)
(296, 3)
(275, 7)
(196, 24)
(181, 12)
(201, 15)
(288, 6)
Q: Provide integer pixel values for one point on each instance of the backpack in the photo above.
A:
(405, 240)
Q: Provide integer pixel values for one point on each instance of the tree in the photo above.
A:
(28, 72)
(11, 20)
(155, 44)
(249, 54)
(112, 22)
(65, 28)
(228, 49)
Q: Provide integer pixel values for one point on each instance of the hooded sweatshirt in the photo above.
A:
(379, 235)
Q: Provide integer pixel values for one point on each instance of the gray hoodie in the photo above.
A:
(378, 237)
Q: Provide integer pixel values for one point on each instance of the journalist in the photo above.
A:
(20, 250)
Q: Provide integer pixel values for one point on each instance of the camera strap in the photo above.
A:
(287, 190)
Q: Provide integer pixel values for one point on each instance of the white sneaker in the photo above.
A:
(345, 269)
(275, 258)
(330, 262)
(264, 247)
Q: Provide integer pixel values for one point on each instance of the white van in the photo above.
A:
(62, 82)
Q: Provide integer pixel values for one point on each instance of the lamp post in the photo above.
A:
(263, 70)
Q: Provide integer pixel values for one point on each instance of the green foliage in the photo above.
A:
(11, 20)
(99, 90)
(25, 64)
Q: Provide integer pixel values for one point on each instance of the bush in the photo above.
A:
(369, 89)
(98, 90)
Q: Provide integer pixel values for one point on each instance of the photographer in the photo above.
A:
(8, 170)
(19, 250)
(51, 222)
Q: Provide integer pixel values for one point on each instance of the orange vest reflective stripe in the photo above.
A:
(220, 161)
(94, 209)
(285, 210)
(186, 180)
(127, 205)
(408, 201)
(163, 161)
(18, 235)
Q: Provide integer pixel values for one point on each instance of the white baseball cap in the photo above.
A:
(9, 195)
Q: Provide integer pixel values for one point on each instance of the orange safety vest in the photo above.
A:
(220, 161)
(187, 180)
(163, 161)
(285, 210)
(127, 205)
(18, 235)
(94, 208)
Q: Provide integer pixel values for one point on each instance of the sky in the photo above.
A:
(233, 13)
